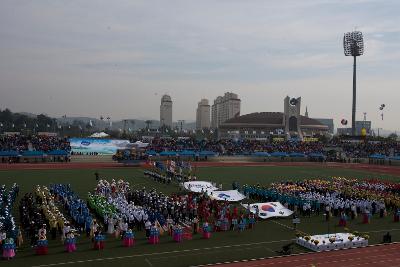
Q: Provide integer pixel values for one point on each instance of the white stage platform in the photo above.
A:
(340, 241)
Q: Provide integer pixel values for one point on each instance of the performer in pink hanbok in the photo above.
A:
(8, 249)
(178, 233)
(70, 242)
(129, 238)
(154, 235)
(42, 243)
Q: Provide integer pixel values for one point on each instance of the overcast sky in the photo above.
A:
(117, 58)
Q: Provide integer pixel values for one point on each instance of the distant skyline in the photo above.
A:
(117, 58)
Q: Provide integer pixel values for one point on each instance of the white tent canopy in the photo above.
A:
(140, 144)
(99, 135)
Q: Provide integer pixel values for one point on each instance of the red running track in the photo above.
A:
(381, 255)
(392, 170)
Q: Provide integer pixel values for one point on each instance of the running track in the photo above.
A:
(392, 170)
(380, 255)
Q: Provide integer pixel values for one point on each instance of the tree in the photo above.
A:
(393, 136)
(148, 123)
(133, 125)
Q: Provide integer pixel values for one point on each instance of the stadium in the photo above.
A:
(128, 178)
(84, 190)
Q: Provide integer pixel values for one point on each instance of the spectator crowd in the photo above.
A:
(43, 143)
(350, 149)
(234, 147)
(365, 149)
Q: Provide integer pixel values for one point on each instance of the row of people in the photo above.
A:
(232, 147)
(332, 196)
(7, 200)
(77, 208)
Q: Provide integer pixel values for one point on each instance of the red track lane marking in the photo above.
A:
(322, 260)
(393, 170)
(374, 263)
(317, 260)
(372, 256)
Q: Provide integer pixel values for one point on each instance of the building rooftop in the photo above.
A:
(166, 98)
(269, 118)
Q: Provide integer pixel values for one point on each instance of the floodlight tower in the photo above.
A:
(353, 44)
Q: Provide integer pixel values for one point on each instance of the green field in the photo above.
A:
(263, 241)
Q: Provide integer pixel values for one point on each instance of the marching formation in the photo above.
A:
(340, 197)
(117, 209)
(8, 228)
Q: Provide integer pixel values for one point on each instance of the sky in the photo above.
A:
(117, 58)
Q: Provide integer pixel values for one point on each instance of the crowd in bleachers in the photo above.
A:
(164, 144)
(33, 142)
(365, 149)
(234, 147)
(358, 149)
(250, 146)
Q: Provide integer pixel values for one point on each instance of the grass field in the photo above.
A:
(263, 241)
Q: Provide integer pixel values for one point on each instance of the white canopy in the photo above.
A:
(99, 135)
(140, 144)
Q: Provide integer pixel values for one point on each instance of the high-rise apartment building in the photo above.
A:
(166, 111)
(224, 108)
(203, 115)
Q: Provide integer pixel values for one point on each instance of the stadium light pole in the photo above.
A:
(353, 44)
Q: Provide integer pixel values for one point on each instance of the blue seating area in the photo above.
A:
(261, 154)
(57, 153)
(279, 154)
(28, 156)
(395, 157)
(32, 153)
(184, 153)
(168, 153)
(316, 155)
(377, 156)
(296, 155)
(189, 153)
(9, 153)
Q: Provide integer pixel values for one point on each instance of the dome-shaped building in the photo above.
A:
(263, 125)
